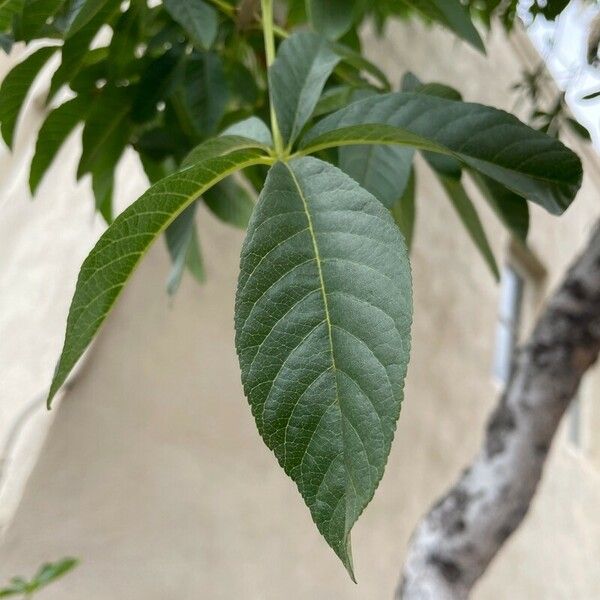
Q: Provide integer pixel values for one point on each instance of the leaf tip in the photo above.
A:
(49, 398)
(345, 555)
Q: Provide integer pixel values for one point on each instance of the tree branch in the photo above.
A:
(456, 541)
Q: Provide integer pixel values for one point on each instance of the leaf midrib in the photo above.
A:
(311, 149)
(319, 268)
(348, 477)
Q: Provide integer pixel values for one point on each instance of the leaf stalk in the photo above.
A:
(269, 37)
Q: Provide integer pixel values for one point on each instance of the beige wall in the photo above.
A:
(153, 473)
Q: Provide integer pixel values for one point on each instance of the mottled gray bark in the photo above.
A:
(456, 541)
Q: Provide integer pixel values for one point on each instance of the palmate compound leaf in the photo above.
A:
(323, 315)
(117, 253)
(491, 141)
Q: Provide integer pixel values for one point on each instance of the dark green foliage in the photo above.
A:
(15, 87)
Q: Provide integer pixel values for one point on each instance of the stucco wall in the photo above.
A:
(153, 473)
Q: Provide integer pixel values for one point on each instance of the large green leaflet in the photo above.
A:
(323, 314)
(491, 141)
(113, 259)
(511, 208)
(15, 87)
(303, 64)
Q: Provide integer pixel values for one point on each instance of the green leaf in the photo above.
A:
(591, 95)
(201, 99)
(17, 586)
(105, 137)
(106, 131)
(197, 18)
(113, 259)
(35, 15)
(126, 38)
(230, 202)
(333, 99)
(411, 83)
(495, 143)
(446, 165)
(470, 219)
(382, 170)
(252, 128)
(81, 12)
(55, 130)
(8, 9)
(6, 42)
(156, 83)
(453, 15)
(510, 208)
(75, 50)
(323, 314)
(404, 210)
(578, 129)
(103, 183)
(224, 144)
(184, 249)
(330, 18)
(359, 62)
(304, 63)
(52, 571)
(15, 87)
